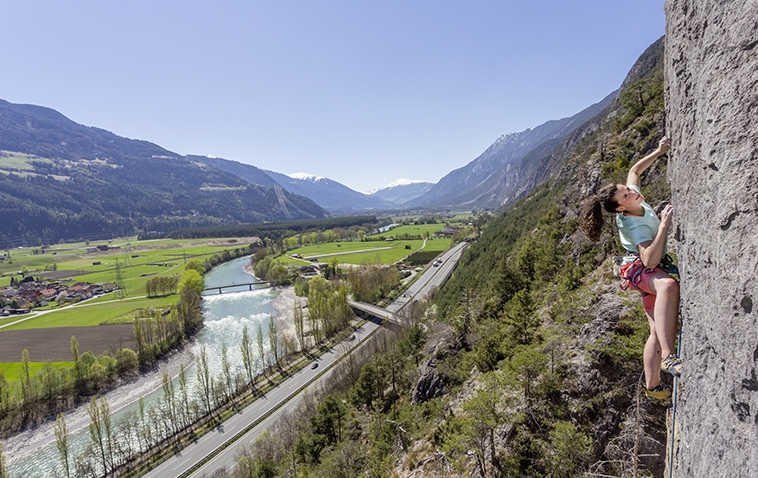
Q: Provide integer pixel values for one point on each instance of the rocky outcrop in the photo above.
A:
(433, 382)
(711, 71)
(430, 385)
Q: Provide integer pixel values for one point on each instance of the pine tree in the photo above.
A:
(522, 318)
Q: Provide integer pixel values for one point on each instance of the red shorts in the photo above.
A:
(637, 276)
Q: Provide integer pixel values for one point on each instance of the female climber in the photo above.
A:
(643, 235)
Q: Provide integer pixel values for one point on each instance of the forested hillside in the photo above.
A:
(61, 180)
(528, 362)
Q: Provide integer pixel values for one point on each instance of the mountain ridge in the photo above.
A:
(333, 196)
(61, 180)
(493, 177)
(403, 191)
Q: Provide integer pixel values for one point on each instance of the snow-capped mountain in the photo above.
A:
(333, 196)
(402, 191)
(306, 177)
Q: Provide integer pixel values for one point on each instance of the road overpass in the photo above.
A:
(374, 311)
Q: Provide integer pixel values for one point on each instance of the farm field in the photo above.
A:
(12, 370)
(86, 314)
(411, 229)
(54, 345)
(318, 250)
(373, 252)
(12, 318)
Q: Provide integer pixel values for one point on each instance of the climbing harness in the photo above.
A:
(630, 269)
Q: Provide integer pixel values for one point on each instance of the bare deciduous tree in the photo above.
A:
(61, 441)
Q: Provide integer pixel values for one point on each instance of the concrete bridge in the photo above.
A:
(241, 284)
(375, 311)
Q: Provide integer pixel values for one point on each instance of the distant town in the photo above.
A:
(27, 293)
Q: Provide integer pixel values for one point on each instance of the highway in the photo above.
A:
(290, 392)
(432, 277)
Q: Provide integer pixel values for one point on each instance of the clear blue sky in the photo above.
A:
(363, 92)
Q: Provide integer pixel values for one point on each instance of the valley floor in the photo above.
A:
(128, 392)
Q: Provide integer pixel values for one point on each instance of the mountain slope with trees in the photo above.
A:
(61, 180)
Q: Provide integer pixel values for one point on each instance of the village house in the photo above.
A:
(309, 271)
(34, 294)
(49, 293)
(448, 231)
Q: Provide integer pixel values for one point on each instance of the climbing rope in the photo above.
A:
(674, 400)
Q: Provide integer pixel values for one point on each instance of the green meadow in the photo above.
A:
(12, 161)
(412, 230)
(388, 251)
(365, 252)
(12, 318)
(113, 311)
(12, 370)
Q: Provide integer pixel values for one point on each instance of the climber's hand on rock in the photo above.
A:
(664, 145)
(666, 216)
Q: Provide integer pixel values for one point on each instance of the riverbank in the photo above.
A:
(283, 304)
(126, 393)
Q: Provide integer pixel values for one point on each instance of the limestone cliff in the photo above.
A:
(711, 77)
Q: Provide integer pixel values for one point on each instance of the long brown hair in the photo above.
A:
(592, 214)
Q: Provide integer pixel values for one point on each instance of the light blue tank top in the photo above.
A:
(634, 230)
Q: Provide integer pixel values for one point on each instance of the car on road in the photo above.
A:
(314, 365)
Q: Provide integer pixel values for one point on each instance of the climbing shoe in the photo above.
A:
(673, 365)
(658, 395)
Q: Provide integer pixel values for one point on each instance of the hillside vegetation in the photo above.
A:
(528, 362)
(61, 180)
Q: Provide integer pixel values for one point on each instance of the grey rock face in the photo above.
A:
(430, 385)
(711, 71)
(432, 382)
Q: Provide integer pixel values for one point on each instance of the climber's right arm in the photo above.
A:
(633, 178)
